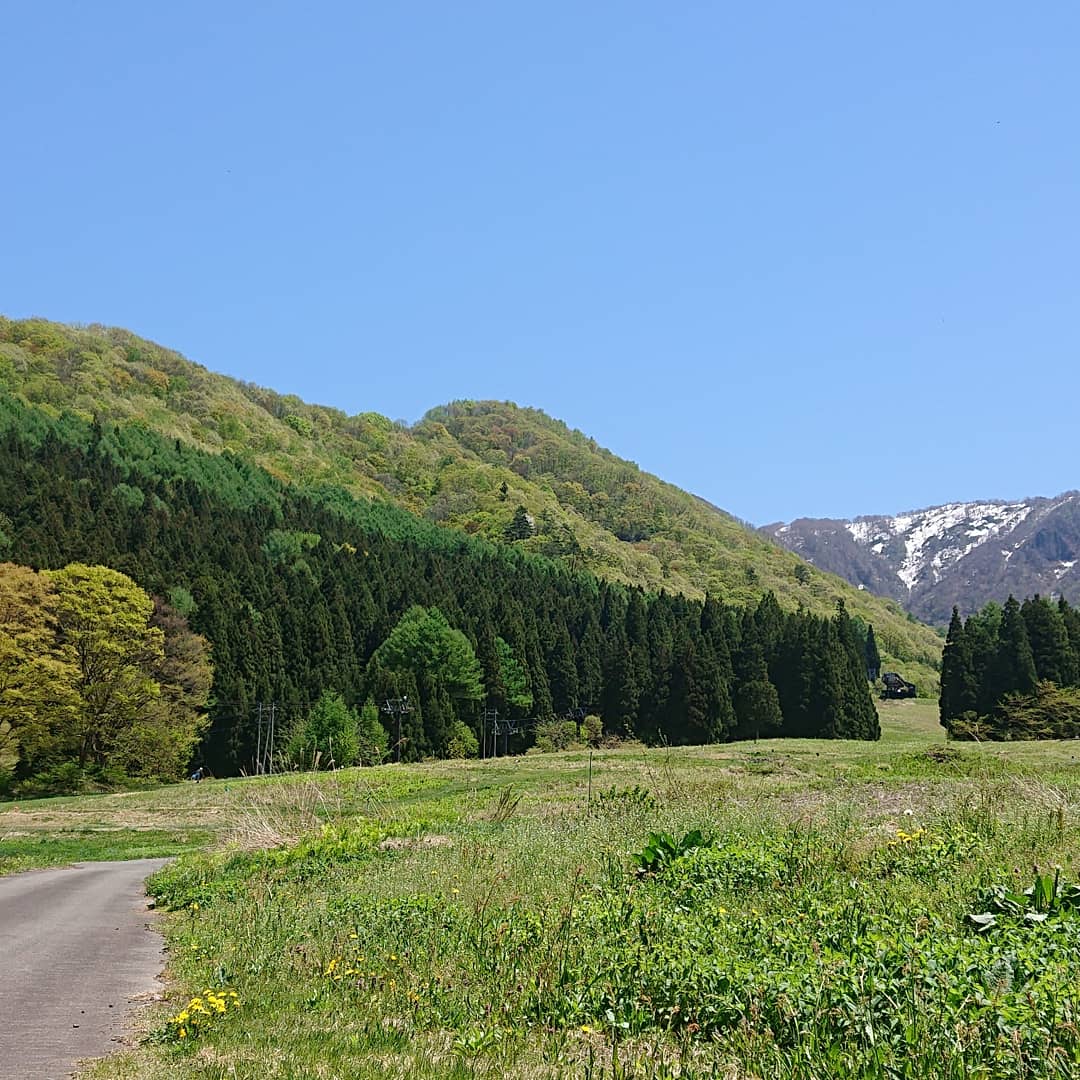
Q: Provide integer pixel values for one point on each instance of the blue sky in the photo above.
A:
(802, 259)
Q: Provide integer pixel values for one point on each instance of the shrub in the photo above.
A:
(329, 736)
(463, 742)
(1048, 712)
(592, 730)
(372, 739)
(552, 735)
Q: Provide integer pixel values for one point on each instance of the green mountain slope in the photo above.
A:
(468, 465)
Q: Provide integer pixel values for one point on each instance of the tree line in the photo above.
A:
(1013, 671)
(300, 592)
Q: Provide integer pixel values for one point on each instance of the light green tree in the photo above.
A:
(103, 620)
(329, 736)
(425, 644)
(372, 738)
(439, 660)
(163, 741)
(37, 674)
(515, 679)
(463, 741)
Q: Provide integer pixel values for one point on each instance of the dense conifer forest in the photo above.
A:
(492, 470)
(300, 592)
(1013, 672)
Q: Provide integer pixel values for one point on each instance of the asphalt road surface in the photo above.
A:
(75, 950)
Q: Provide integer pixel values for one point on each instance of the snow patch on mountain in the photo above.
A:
(937, 538)
(960, 554)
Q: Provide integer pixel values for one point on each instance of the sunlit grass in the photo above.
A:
(418, 921)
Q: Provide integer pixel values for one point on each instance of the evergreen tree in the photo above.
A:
(1013, 670)
(860, 718)
(1049, 640)
(873, 657)
(1070, 619)
(521, 527)
(757, 704)
(372, 737)
(562, 673)
(958, 685)
(328, 737)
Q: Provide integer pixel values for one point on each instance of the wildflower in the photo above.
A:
(588, 1030)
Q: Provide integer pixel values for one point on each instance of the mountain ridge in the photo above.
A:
(467, 465)
(961, 554)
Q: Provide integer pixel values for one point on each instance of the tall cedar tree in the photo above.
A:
(873, 657)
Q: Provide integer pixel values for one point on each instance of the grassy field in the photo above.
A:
(483, 919)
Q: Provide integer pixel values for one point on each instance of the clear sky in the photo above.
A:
(804, 259)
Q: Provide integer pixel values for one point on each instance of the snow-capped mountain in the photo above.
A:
(963, 553)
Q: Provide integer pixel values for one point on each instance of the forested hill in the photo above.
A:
(492, 470)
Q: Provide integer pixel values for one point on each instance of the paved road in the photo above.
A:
(74, 951)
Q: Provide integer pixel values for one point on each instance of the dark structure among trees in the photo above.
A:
(896, 686)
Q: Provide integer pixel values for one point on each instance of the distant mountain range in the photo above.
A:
(962, 554)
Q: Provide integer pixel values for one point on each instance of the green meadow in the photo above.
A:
(906, 908)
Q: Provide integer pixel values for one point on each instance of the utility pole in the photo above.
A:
(272, 739)
(397, 708)
(265, 737)
(489, 716)
(258, 742)
(505, 728)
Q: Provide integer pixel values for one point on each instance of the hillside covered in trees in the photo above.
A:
(304, 591)
(494, 471)
(1013, 672)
